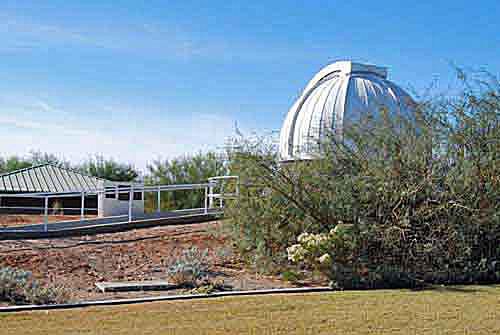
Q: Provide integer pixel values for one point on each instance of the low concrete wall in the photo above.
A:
(115, 207)
(292, 290)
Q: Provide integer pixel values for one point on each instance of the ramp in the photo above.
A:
(108, 225)
(214, 192)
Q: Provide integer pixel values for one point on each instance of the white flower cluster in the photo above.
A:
(337, 228)
(325, 259)
(316, 248)
(296, 253)
(312, 240)
(310, 245)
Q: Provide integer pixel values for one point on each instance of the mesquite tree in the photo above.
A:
(420, 193)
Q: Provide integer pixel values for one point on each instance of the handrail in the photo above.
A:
(42, 208)
(209, 187)
(109, 190)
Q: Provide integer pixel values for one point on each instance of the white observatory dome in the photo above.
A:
(340, 93)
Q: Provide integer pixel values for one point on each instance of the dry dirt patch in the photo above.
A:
(78, 263)
(12, 220)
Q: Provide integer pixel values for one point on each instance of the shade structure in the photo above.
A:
(47, 178)
(51, 178)
(341, 93)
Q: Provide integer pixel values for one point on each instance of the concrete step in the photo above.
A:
(152, 285)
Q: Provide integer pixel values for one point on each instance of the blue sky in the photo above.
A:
(139, 80)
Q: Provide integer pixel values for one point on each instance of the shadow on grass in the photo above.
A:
(472, 288)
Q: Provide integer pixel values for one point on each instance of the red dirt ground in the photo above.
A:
(78, 263)
(22, 219)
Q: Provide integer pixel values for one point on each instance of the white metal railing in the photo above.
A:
(215, 189)
(221, 181)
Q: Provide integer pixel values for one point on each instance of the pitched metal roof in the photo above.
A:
(49, 178)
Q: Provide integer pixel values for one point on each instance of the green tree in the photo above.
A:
(38, 157)
(183, 170)
(419, 194)
(109, 169)
(13, 163)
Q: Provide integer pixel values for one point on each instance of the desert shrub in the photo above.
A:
(47, 294)
(207, 286)
(189, 268)
(19, 286)
(419, 193)
(292, 276)
(13, 283)
(223, 255)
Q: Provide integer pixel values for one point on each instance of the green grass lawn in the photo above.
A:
(452, 310)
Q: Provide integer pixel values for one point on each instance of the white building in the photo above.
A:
(340, 93)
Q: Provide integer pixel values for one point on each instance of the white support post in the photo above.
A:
(221, 204)
(210, 198)
(206, 200)
(82, 209)
(46, 214)
(158, 199)
(130, 201)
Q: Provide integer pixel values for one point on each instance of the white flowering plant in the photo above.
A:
(327, 252)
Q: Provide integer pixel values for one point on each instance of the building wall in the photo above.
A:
(115, 206)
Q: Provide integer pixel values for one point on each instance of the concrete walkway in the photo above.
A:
(294, 290)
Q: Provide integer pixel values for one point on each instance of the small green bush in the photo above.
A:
(291, 276)
(189, 268)
(13, 283)
(19, 286)
(208, 287)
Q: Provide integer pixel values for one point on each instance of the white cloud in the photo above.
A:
(22, 33)
(150, 39)
(47, 127)
(76, 139)
(48, 108)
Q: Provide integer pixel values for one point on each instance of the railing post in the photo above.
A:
(237, 186)
(130, 199)
(221, 194)
(206, 200)
(82, 209)
(46, 214)
(211, 198)
(158, 198)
